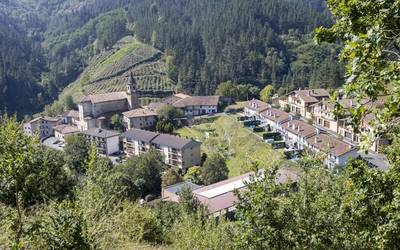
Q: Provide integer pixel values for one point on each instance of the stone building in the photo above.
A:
(95, 111)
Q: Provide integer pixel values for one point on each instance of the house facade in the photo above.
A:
(139, 118)
(274, 118)
(106, 141)
(338, 153)
(198, 105)
(254, 108)
(177, 152)
(300, 101)
(43, 126)
(63, 130)
(296, 133)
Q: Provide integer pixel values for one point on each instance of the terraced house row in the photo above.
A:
(335, 137)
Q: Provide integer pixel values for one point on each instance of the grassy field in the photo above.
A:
(236, 143)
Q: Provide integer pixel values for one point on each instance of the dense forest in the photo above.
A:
(204, 43)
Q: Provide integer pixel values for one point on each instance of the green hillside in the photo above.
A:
(108, 71)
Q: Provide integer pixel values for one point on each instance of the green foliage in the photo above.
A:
(62, 228)
(169, 113)
(164, 126)
(171, 177)
(194, 175)
(141, 175)
(117, 123)
(29, 174)
(76, 152)
(369, 32)
(189, 203)
(237, 92)
(214, 169)
(266, 93)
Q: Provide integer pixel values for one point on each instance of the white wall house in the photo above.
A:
(254, 108)
(139, 118)
(275, 118)
(42, 126)
(198, 105)
(338, 153)
(296, 133)
(300, 101)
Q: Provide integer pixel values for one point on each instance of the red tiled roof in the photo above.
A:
(275, 115)
(330, 144)
(66, 129)
(197, 101)
(257, 105)
(300, 128)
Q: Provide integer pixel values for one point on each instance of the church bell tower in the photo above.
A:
(131, 93)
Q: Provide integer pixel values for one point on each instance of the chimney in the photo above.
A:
(298, 128)
(291, 117)
(317, 131)
(316, 139)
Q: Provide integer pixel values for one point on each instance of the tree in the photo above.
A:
(369, 32)
(194, 175)
(188, 202)
(63, 228)
(214, 170)
(169, 113)
(171, 177)
(266, 93)
(227, 89)
(76, 152)
(69, 102)
(141, 175)
(117, 123)
(29, 174)
(164, 126)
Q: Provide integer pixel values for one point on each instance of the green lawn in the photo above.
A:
(236, 143)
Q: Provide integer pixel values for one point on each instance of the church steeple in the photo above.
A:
(131, 92)
(131, 86)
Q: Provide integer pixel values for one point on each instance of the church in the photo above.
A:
(95, 111)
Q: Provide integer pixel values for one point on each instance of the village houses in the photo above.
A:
(140, 118)
(43, 126)
(106, 141)
(254, 108)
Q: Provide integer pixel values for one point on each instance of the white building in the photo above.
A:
(198, 105)
(300, 101)
(106, 141)
(70, 117)
(338, 153)
(296, 133)
(274, 118)
(43, 126)
(255, 107)
(139, 118)
(63, 130)
(95, 111)
(177, 152)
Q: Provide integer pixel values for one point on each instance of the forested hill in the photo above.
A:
(203, 42)
(21, 64)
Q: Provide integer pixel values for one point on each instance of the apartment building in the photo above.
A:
(106, 141)
(43, 126)
(300, 102)
(178, 152)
